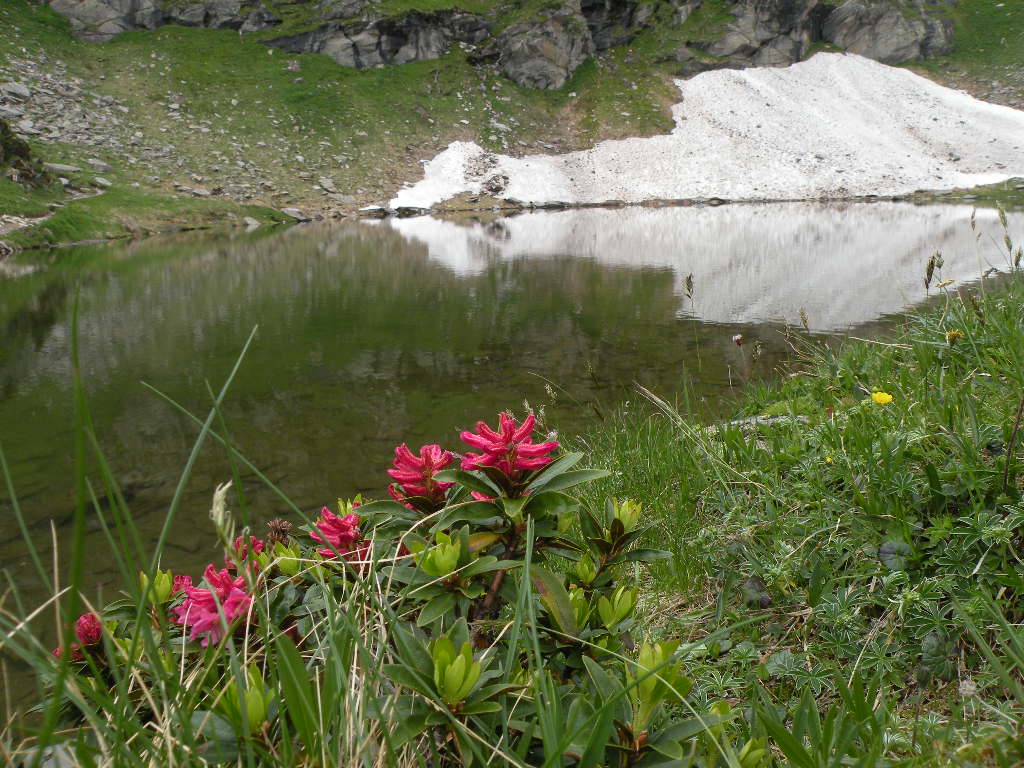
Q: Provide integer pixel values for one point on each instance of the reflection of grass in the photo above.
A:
(857, 532)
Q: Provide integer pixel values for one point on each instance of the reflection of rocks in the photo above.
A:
(744, 257)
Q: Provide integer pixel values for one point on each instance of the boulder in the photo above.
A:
(769, 32)
(545, 50)
(16, 161)
(886, 32)
(15, 91)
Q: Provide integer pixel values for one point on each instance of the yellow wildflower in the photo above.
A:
(952, 336)
(828, 459)
(882, 398)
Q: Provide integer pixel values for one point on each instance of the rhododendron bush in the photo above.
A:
(479, 615)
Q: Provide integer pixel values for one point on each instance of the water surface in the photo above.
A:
(375, 333)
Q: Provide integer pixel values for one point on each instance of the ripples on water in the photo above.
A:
(375, 333)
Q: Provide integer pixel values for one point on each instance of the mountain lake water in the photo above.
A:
(374, 333)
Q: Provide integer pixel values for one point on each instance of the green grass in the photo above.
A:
(987, 34)
(853, 534)
(16, 200)
(122, 213)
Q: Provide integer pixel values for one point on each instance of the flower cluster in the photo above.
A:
(511, 450)
(244, 551)
(88, 631)
(414, 475)
(338, 533)
(209, 611)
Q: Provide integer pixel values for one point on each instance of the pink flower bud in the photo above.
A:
(88, 629)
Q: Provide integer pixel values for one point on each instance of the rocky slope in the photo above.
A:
(540, 45)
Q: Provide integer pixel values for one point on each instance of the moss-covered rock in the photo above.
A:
(16, 161)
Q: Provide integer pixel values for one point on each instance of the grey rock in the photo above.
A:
(296, 214)
(99, 181)
(886, 33)
(98, 165)
(376, 42)
(58, 168)
(769, 32)
(15, 91)
(544, 51)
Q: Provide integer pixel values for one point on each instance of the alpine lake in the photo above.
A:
(373, 333)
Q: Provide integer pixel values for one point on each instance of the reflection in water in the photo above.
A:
(844, 263)
(408, 330)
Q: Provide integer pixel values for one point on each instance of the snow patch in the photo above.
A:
(836, 125)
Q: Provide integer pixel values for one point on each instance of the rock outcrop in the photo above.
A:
(770, 32)
(544, 51)
(884, 32)
(542, 48)
(375, 41)
(16, 161)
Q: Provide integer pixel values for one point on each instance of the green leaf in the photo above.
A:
(594, 750)
(606, 685)
(407, 677)
(894, 555)
(436, 608)
(556, 468)
(551, 591)
(481, 708)
(687, 729)
(669, 748)
(297, 693)
(219, 741)
(469, 512)
(413, 649)
(786, 742)
(550, 503)
(474, 481)
(569, 479)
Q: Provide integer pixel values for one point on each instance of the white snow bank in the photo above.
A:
(845, 263)
(837, 125)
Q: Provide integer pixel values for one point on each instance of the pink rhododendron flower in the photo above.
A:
(511, 450)
(244, 551)
(88, 629)
(201, 610)
(337, 532)
(180, 583)
(414, 475)
(76, 653)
